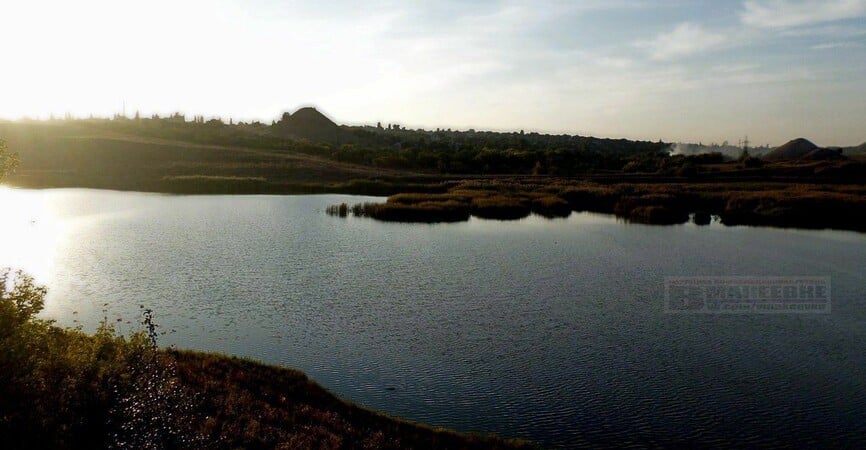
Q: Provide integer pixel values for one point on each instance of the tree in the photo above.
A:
(8, 161)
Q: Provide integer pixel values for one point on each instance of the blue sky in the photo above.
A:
(698, 71)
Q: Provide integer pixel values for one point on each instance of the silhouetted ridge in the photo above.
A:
(308, 123)
(795, 149)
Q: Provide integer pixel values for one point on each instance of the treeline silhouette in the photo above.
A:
(439, 151)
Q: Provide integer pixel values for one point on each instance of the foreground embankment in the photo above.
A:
(62, 388)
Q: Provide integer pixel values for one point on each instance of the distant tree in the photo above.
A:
(8, 161)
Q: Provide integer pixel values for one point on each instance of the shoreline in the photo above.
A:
(775, 204)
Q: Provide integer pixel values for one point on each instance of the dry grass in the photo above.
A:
(251, 405)
(813, 205)
(551, 206)
(500, 207)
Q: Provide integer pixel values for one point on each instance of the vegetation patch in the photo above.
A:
(500, 207)
(425, 212)
(839, 206)
(551, 206)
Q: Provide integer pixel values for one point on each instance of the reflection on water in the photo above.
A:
(547, 329)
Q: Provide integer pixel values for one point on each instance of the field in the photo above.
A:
(64, 155)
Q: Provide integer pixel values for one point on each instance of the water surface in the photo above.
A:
(552, 330)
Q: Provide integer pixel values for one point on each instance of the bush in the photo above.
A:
(82, 391)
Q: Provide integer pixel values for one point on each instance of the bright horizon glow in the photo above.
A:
(696, 71)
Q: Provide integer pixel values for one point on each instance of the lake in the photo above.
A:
(551, 330)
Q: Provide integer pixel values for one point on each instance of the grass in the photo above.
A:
(804, 205)
(500, 207)
(250, 405)
(425, 212)
(551, 206)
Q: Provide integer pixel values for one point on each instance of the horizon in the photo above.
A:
(773, 70)
(276, 119)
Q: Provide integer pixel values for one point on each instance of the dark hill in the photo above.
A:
(858, 150)
(823, 154)
(307, 123)
(795, 149)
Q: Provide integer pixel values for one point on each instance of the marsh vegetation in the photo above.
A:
(770, 204)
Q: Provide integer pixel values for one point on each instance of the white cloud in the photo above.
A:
(832, 45)
(785, 13)
(686, 39)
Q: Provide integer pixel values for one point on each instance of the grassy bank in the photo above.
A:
(780, 204)
(61, 388)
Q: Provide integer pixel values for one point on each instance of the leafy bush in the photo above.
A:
(64, 389)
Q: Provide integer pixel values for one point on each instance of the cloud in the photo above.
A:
(685, 39)
(832, 45)
(785, 13)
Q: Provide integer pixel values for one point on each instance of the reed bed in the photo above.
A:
(742, 203)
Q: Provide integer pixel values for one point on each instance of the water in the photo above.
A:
(551, 330)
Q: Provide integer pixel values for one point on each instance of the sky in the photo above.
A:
(679, 71)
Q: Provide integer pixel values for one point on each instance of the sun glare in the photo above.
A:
(31, 233)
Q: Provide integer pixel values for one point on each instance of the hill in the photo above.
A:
(307, 123)
(803, 149)
(792, 150)
(858, 150)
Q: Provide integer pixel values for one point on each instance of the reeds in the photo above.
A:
(424, 212)
(341, 210)
(751, 203)
(551, 206)
(500, 207)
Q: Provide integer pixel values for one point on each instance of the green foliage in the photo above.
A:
(20, 299)
(8, 160)
(64, 389)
